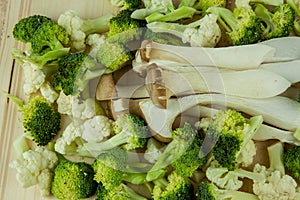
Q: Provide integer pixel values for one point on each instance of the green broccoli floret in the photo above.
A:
(204, 5)
(123, 28)
(175, 187)
(242, 25)
(26, 27)
(40, 119)
(180, 146)
(49, 37)
(232, 132)
(208, 191)
(291, 160)
(111, 169)
(127, 4)
(190, 160)
(74, 72)
(130, 133)
(73, 180)
(122, 192)
(114, 56)
(278, 23)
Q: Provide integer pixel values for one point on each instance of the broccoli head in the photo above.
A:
(26, 27)
(130, 133)
(278, 23)
(111, 169)
(40, 118)
(73, 180)
(49, 37)
(175, 187)
(123, 28)
(232, 132)
(74, 72)
(190, 160)
(242, 25)
(114, 56)
(291, 160)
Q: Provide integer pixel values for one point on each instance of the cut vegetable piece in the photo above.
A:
(278, 111)
(237, 57)
(286, 49)
(289, 70)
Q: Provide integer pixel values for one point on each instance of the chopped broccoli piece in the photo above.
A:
(182, 12)
(242, 25)
(123, 28)
(26, 27)
(130, 133)
(114, 56)
(291, 160)
(190, 160)
(232, 131)
(208, 191)
(278, 23)
(204, 5)
(111, 169)
(49, 37)
(74, 72)
(39, 118)
(127, 4)
(73, 180)
(175, 187)
(179, 147)
(122, 192)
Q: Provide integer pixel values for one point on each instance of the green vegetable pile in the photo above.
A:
(206, 84)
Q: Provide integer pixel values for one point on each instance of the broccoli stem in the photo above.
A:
(225, 18)
(235, 195)
(161, 182)
(275, 152)
(96, 148)
(19, 102)
(268, 2)
(180, 13)
(293, 4)
(98, 25)
(164, 27)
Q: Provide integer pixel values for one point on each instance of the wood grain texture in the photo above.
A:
(11, 78)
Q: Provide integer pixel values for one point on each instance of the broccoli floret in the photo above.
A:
(278, 23)
(111, 169)
(242, 25)
(175, 187)
(49, 37)
(183, 138)
(204, 5)
(190, 160)
(122, 192)
(208, 191)
(114, 56)
(26, 27)
(74, 72)
(73, 180)
(232, 131)
(40, 119)
(123, 28)
(130, 133)
(291, 160)
(127, 4)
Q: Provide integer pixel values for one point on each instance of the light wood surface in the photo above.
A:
(11, 78)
